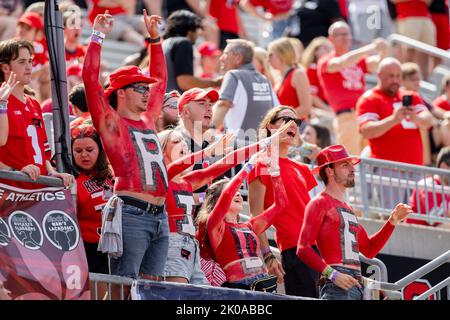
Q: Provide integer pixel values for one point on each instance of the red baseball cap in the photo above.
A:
(32, 19)
(125, 76)
(196, 94)
(333, 154)
(209, 49)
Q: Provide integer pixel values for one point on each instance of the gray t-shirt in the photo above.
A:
(251, 95)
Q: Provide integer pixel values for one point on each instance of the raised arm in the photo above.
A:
(263, 221)
(97, 104)
(157, 68)
(215, 224)
(5, 91)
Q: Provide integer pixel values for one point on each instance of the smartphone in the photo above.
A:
(407, 100)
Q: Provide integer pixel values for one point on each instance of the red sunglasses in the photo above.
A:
(82, 131)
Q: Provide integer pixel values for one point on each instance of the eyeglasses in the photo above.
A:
(82, 131)
(139, 88)
(172, 105)
(286, 119)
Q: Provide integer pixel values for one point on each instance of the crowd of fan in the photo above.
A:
(217, 82)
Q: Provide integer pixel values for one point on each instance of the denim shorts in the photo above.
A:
(145, 244)
(183, 259)
(330, 291)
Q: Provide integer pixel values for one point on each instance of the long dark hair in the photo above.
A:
(180, 22)
(102, 170)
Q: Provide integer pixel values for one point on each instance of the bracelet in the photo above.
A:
(334, 276)
(266, 251)
(97, 39)
(149, 40)
(3, 106)
(327, 272)
(3, 111)
(248, 167)
(201, 197)
(264, 143)
(98, 34)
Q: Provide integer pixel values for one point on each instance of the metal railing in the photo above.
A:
(381, 184)
(419, 273)
(420, 46)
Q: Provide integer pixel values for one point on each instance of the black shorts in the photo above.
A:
(97, 260)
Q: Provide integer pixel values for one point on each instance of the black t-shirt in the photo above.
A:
(438, 6)
(313, 19)
(179, 55)
(174, 5)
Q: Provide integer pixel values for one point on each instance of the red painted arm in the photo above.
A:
(371, 246)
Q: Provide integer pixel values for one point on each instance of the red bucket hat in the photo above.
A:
(196, 94)
(32, 19)
(208, 49)
(125, 76)
(333, 154)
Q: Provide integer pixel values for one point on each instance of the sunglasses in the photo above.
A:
(286, 119)
(139, 88)
(171, 94)
(172, 105)
(82, 132)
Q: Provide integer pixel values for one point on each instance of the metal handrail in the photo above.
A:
(377, 263)
(418, 45)
(436, 288)
(427, 268)
(23, 177)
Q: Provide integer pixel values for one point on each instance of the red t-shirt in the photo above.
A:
(298, 180)
(402, 142)
(47, 107)
(133, 147)
(180, 206)
(437, 208)
(95, 9)
(40, 55)
(286, 92)
(342, 88)
(273, 6)
(314, 83)
(442, 102)
(340, 238)
(91, 198)
(27, 140)
(225, 11)
(77, 55)
(413, 8)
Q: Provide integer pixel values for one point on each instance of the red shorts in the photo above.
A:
(441, 22)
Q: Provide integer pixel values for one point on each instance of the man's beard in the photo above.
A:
(349, 183)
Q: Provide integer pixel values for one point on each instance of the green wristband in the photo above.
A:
(328, 271)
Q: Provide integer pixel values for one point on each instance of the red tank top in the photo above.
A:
(286, 92)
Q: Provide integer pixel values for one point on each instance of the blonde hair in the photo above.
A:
(298, 48)
(309, 55)
(285, 50)
(163, 137)
(409, 69)
(261, 55)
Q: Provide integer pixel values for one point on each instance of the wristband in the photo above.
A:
(3, 105)
(334, 276)
(264, 143)
(201, 197)
(266, 251)
(97, 39)
(152, 40)
(98, 34)
(327, 272)
(3, 111)
(248, 167)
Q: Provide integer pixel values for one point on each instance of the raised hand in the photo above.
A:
(8, 87)
(151, 23)
(400, 212)
(104, 22)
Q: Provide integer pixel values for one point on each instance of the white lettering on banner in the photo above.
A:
(35, 196)
(73, 281)
(2, 192)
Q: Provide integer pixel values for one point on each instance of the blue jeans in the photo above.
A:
(330, 291)
(145, 244)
